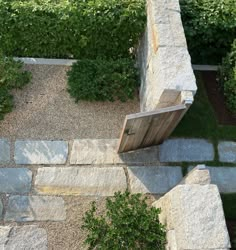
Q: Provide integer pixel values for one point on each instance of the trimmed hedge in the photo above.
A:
(210, 28)
(102, 80)
(71, 28)
(228, 78)
(11, 76)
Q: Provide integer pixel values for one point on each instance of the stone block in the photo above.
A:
(186, 150)
(4, 151)
(104, 151)
(103, 181)
(35, 208)
(156, 180)
(41, 152)
(1, 209)
(15, 180)
(227, 151)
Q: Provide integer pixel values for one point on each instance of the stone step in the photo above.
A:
(4, 151)
(35, 208)
(186, 150)
(227, 151)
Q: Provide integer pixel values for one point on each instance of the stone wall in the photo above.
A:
(163, 57)
(193, 214)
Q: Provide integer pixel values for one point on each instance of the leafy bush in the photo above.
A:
(102, 80)
(210, 28)
(228, 78)
(71, 28)
(11, 76)
(127, 224)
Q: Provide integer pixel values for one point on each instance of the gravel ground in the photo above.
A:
(44, 110)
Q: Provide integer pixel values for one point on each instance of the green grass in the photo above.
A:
(201, 122)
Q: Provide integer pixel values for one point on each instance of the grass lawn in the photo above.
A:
(201, 122)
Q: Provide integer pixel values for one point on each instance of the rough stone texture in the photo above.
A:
(195, 213)
(4, 151)
(41, 152)
(188, 150)
(199, 175)
(158, 180)
(104, 151)
(171, 240)
(15, 180)
(81, 180)
(227, 151)
(23, 238)
(35, 208)
(224, 178)
(1, 208)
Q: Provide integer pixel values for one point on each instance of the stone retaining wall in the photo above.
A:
(163, 57)
(193, 214)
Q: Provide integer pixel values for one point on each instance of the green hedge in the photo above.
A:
(71, 28)
(102, 80)
(210, 28)
(11, 76)
(228, 78)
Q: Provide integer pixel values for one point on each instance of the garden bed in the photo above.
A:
(217, 99)
(44, 110)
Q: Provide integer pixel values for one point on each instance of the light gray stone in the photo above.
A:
(15, 180)
(157, 180)
(4, 151)
(81, 180)
(104, 151)
(227, 151)
(41, 152)
(187, 150)
(1, 208)
(195, 213)
(23, 238)
(35, 208)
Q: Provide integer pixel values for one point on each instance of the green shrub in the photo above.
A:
(102, 80)
(210, 28)
(71, 28)
(228, 78)
(127, 224)
(11, 76)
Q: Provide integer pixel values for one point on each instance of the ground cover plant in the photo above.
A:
(228, 78)
(127, 224)
(11, 76)
(210, 28)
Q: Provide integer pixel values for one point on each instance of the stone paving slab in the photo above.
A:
(41, 152)
(1, 208)
(104, 151)
(227, 151)
(35, 208)
(156, 180)
(23, 238)
(223, 177)
(186, 150)
(15, 180)
(4, 151)
(103, 181)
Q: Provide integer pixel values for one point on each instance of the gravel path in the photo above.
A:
(44, 110)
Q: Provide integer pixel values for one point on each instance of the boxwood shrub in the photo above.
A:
(102, 80)
(210, 28)
(228, 78)
(71, 28)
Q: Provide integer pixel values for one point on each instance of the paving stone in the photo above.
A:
(227, 151)
(4, 151)
(187, 150)
(1, 208)
(158, 180)
(223, 177)
(23, 238)
(104, 151)
(35, 208)
(103, 181)
(41, 152)
(15, 180)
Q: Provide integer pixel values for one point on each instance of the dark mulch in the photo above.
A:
(217, 100)
(231, 225)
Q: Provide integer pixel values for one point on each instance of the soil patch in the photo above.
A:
(231, 225)
(217, 99)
